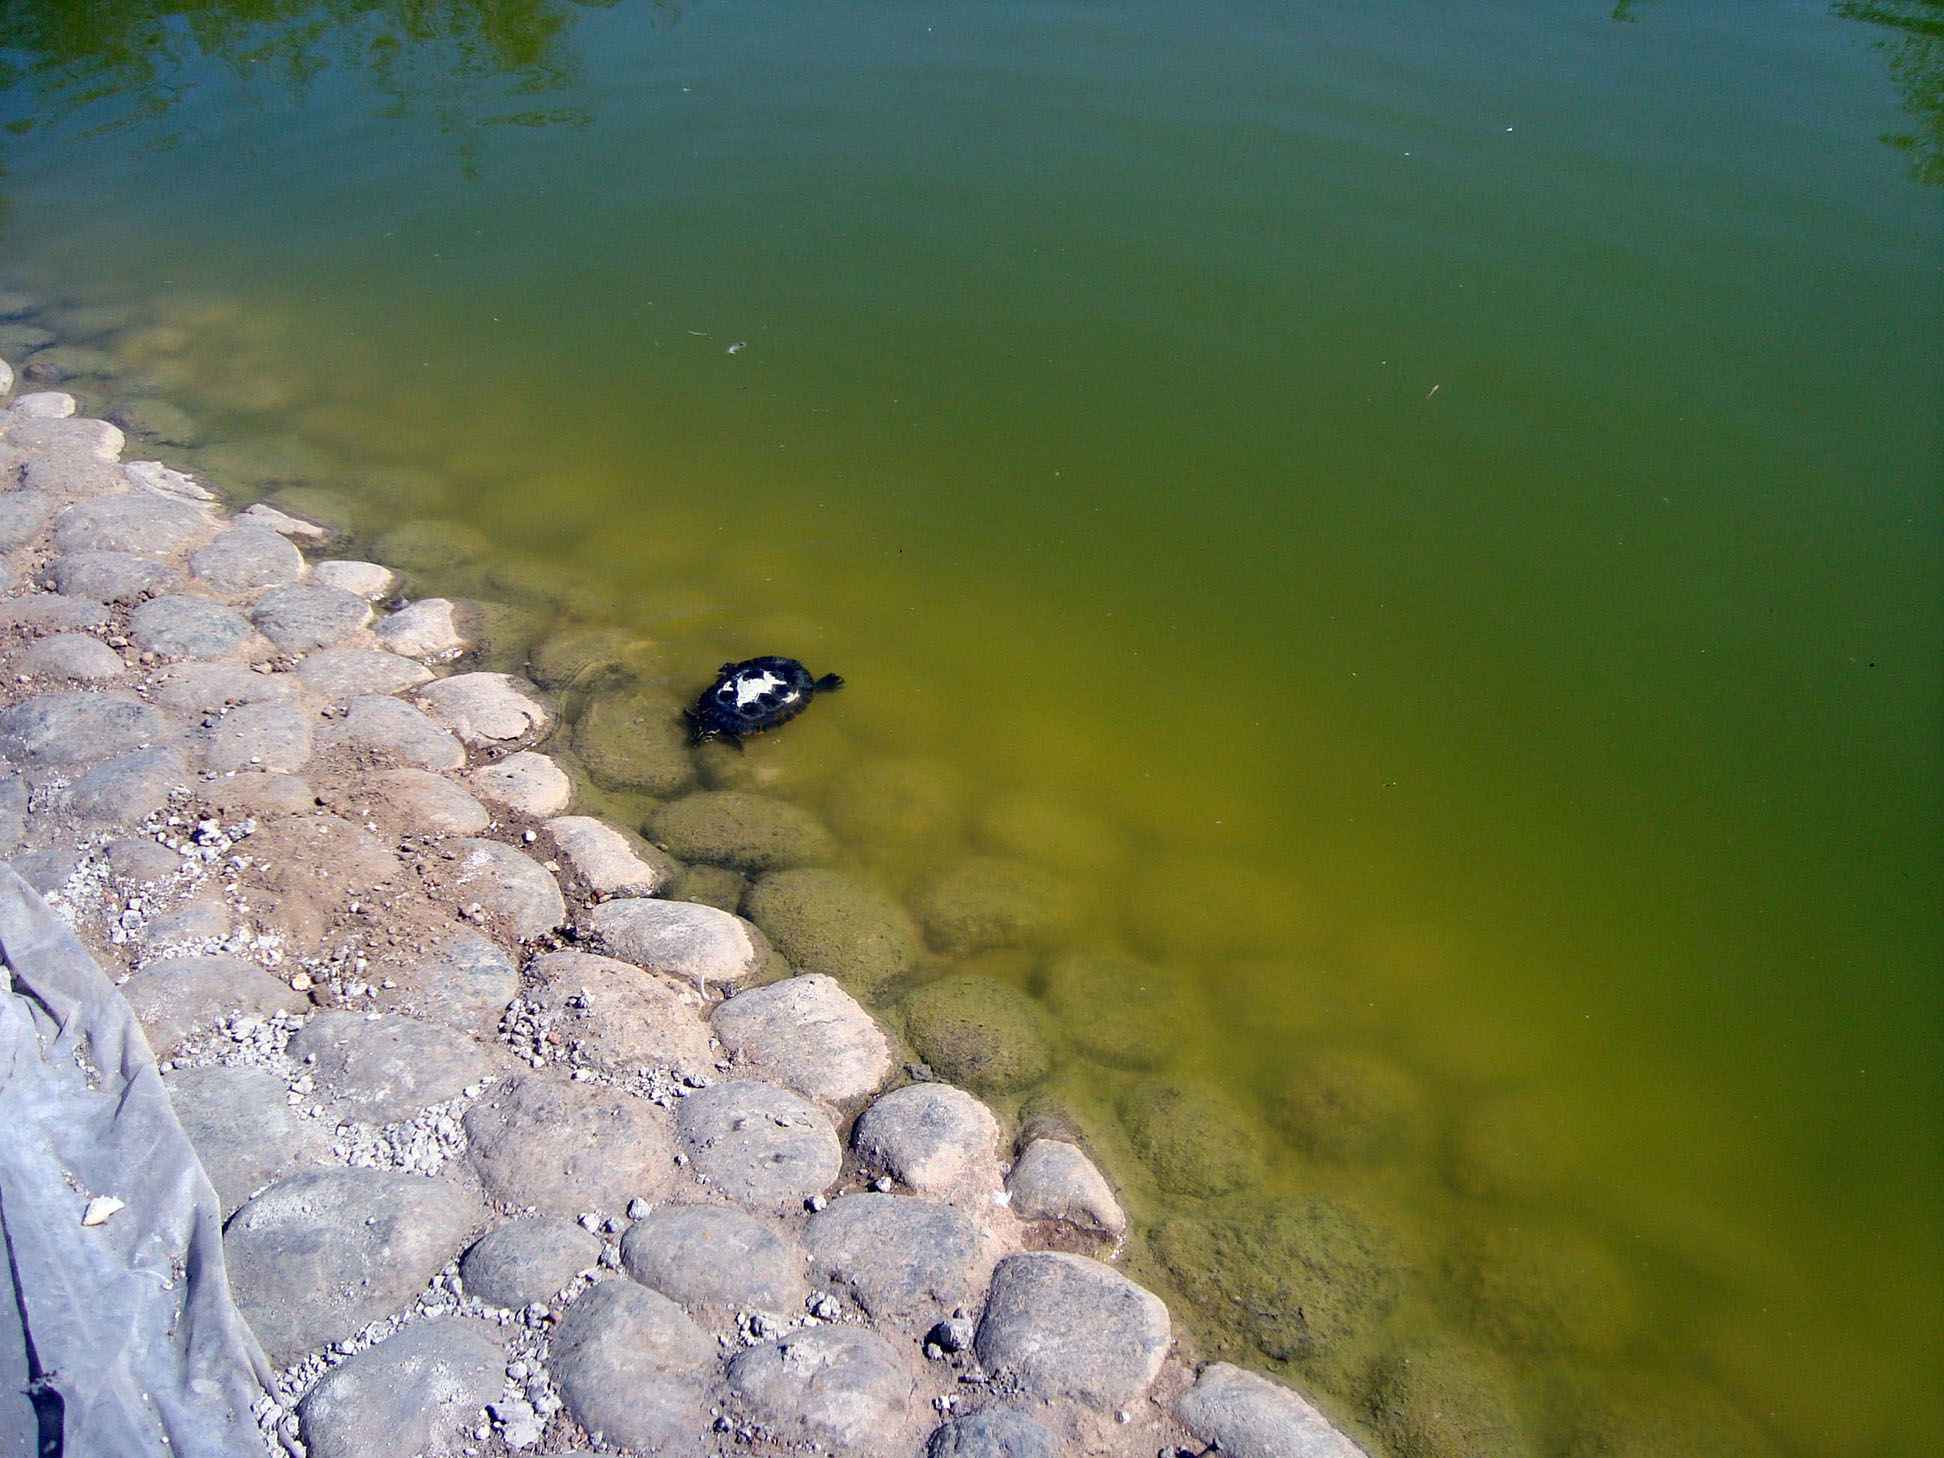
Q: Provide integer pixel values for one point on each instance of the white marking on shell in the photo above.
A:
(749, 690)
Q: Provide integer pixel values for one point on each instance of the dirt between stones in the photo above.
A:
(427, 1159)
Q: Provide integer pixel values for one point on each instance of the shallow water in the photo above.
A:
(1429, 517)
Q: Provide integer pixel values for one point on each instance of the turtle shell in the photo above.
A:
(755, 695)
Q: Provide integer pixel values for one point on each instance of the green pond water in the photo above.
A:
(1427, 516)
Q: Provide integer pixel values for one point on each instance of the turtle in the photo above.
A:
(754, 695)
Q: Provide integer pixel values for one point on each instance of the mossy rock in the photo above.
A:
(982, 902)
(431, 547)
(1516, 1146)
(979, 1032)
(1446, 1400)
(736, 828)
(1309, 1279)
(634, 739)
(590, 659)
(1544, 1287)
(1351, 1106)
(1196, 1139)
(1603, 1413)
(831, 922)
(1117, 1009)
(717, 886)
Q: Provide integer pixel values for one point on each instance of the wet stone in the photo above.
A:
(528, 1261)
(1446, 1401)
(428, 802)
(419, 1391)
(52, 613)
(189, 627)
(1346, 1105)
(839, 1386)
(208, 688)
(1120, 1010)
(716, 886)
(808, 1034)
(395, 732)
(487, 710)
(831, 922)
(714, 1259)
(983, 902)
(996, 1432)
(632, 1368)
(635, 740)
(903, 1258)
(1196, 1139)
(294, 528)
(507, 884)
(930, 1136)
(338, 674)
(980, 1032)
(140, 522)
(615, 1016)
(75, 727)
(23, 516)
(699, 943)
(73, 657)
(590, 658)
(243, 1128)
(319, 1254)
(764, 1147)
(1054, 1180)
(369, 580)
(274, 737)
(466, 983)
(383, 1068)
(180, 996)
(300, 617)
(431, 546)
(42, 405)
(526, 783)
(736, 828)
(565, 1147)
(1249, 1416)
(1063, 1326)
(428, 630)
(610, 862)
(246, 559)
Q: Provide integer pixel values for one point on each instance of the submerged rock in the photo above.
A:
(1118, 1009)
(635, 740)
(980, 1032)
(1351, 1106)
(982, 902)
(1246, 1415)
(1544, 1286)
(1446, 1401)
(1196, 1139)
(832, 922)
(736, 828)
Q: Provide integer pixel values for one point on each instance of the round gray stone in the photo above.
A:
(839, 1386)
(243, 1128)
(272, 737)
(338, 674)
(808, 1034)
(52, 613)
(565, 1147)
(527, 783)
(77, 726)
(1054, 1180)
(23, 516)
(1063, 1326)
(996, 1432)
(126, 790)
(420, 1391)
(903, 1258)
(465, 983)
(424, 801)
(763, 1146)
(300, 617)
(699, 943)
(930, 1136)
(189, 627)
(711, 1258)
(507, 884)
(632, 1368)
(611, 862)
(487, 709)
(319, 1254)
(209, 688)
(74, 657)
(527, 1261)
(246, 559)
(119, 577)
(619, 1018)
(428, 630)
(136, 521)
(1248, 1415)
(393, 732)
(383, 1068)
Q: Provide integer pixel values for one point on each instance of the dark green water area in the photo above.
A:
(1418, 523)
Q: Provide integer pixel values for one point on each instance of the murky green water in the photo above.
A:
(1428, 515)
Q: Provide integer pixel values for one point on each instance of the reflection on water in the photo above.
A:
(1432, 844)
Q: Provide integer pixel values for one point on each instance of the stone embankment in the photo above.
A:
(517, 1153)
